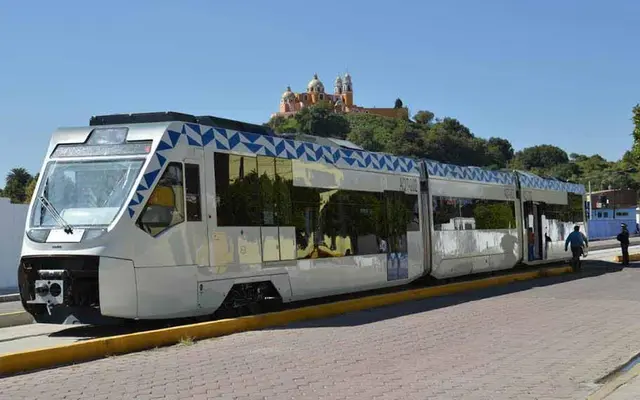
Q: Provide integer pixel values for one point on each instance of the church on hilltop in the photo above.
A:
(341, 99)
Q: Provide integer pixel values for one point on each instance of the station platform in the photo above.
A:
(549, 338)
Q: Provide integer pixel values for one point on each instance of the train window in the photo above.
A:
(192, 189)
(569, 213)
(397, 219)
(283, 185)
(267, 180)
(413, 207)
(165, 207)
(305, 207)
(576, 204)
(454, 213)
(237, 190)
(340, 223)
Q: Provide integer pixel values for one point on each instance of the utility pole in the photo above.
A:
(590, 205)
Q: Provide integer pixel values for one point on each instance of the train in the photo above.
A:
(163, 215)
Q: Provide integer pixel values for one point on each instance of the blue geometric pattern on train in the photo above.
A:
(451, 171)
(528, 180)
(254, 144)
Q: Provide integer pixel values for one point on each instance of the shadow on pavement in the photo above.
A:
(590, 269)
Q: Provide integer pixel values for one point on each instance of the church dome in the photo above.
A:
(315, 85)
(288, 95)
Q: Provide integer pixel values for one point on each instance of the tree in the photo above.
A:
(424, 117)
(31, 187)
(451, 126)
(398, 103)
(321, 120)
(500, 151)
(636, 132)
(281, 124)
(16, 184)
(540, 157)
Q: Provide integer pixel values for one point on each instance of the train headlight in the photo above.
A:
(90, 234)
(42, 289)
(38, 235)
(55, 289)
(101, 136)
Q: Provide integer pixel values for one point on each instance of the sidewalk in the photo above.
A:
(630, 390)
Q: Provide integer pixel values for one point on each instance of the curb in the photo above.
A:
(9, 297)
(15, 318)
(632, 257)
(102, 347)
(610, 387)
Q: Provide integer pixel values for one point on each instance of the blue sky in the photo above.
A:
(543, 72)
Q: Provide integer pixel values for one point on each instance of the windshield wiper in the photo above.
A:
(68, 229)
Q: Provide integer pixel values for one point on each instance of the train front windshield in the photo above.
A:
(83, 193)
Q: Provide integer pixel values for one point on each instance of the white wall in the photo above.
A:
(12, 220)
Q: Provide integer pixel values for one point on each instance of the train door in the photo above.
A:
(210, 204)
(195, 210)
(533, 212)
(425, 225)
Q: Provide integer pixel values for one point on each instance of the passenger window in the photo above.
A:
(455, 213)
(341, 223)
(283, 184)
(165, 207)
(267, 177)
(192, 184)
(237, 190)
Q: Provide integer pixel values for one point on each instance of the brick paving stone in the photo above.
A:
(542, 341)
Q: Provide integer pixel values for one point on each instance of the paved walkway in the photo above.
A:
(629, 391)
(547, 339)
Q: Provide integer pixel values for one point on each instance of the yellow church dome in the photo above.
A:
(315, 85)
(288, 95)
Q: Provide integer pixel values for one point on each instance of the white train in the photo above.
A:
(167, 215)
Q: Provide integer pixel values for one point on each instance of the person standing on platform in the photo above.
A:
(623, 238)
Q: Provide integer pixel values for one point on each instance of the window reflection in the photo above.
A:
(339, 223)
(237, 190)
(455, 213)
(165, 207)
(328, 223)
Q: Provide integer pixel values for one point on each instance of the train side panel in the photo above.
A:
(327, 226)
(327, 219)
(474, 220)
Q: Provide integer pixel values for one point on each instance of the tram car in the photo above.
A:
(169, 215)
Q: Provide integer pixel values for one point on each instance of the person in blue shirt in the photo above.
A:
(577, 240)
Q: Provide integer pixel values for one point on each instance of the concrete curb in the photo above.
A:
(610, 387)
(102, 347)
(15, 318)
(9, 297)
(632, 257)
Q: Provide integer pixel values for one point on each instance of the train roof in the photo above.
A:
(232, 135)
(533, 181)
(171, 116)
(500, 177)
(469, 173)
